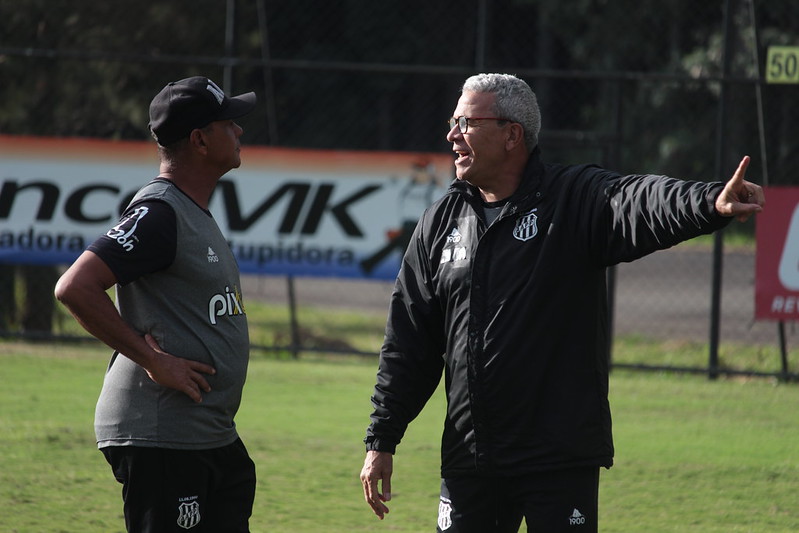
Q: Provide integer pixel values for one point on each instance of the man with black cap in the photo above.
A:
(164, 419)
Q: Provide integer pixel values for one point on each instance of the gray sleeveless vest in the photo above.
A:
(194, 309)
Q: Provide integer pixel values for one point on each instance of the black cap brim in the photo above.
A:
(238, 106)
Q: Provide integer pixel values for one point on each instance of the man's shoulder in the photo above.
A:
(157, 189)
(563, 177)
(574, 169)
(456, 197)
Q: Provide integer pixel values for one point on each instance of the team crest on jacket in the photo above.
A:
(189, 513)
(526, 226)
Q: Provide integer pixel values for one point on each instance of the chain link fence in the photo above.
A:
(674, 87)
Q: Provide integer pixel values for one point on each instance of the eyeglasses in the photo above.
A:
(463, 122)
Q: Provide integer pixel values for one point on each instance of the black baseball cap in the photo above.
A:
(185, 105)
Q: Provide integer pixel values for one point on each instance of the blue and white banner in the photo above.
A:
(284, 211)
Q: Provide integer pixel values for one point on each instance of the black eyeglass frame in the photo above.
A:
(463, 122)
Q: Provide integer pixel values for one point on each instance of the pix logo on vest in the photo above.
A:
(230, 303)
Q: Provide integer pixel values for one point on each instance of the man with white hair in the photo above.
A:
(503, 290)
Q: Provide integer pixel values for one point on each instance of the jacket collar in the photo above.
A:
(529, 188)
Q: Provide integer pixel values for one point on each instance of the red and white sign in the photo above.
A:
(777, 260)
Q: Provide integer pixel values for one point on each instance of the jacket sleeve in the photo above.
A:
(411, 359)
(645, 213)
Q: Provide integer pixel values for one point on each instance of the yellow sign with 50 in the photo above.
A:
(782, 64)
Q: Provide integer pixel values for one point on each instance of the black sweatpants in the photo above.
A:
(200, 491)
(563, 501)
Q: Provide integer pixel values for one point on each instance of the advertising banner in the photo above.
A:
(777, 260)
(284, 212)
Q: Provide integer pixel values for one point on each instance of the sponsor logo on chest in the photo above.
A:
(230, 303)
(455, 248)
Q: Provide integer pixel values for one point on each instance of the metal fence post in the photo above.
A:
(293, 323)
(721, 150)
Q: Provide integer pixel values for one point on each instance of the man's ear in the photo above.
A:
(515, 136)
(197, 139)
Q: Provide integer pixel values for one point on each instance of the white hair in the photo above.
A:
(514, 100)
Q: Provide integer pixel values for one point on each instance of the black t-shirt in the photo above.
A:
(144, 241)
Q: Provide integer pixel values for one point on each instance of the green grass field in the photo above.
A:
(692, 455)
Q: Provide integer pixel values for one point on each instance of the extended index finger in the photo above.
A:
(740, 172)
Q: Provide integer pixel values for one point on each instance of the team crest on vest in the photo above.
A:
(526, 226)
(444, 512)
(189, 514)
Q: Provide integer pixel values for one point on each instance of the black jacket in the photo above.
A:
(516, 314)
